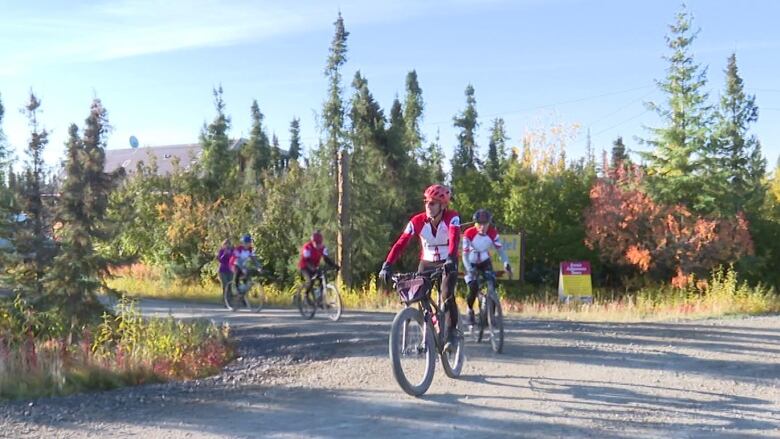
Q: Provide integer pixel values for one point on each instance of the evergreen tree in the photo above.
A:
(6, 194)
(321, 193)
(413, 113)
(333, 111)
(277, 163)
(295, 139)
(78, 271)
(737, 164)
(675, 163)
(433, 161)
(4, 153)
(257, 150)
(619, 155)
(217, 160)
(590, 155)
(496, 151)
(396, 148)
(32, 253)
(374, 172)
(465, 158)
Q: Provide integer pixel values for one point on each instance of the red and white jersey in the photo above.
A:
(476, 247)
(436, 244)
(311, 255)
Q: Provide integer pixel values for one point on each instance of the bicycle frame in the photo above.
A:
(484, 280)
(429, 308)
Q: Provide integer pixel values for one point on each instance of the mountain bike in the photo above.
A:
(419, 333)
(490, 315)
(246, 292)
(323, 295)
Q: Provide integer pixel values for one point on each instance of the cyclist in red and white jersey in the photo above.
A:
(438, 229)
(478, 240)
(311, 253)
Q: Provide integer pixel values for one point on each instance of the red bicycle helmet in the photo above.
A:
(437, 192)
(316, 237)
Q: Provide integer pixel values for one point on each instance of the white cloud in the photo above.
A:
(126, 28)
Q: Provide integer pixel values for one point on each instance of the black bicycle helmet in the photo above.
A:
(482, 216)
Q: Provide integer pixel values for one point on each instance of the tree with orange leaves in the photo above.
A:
(631, 230)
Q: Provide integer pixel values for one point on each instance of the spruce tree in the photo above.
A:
(619, 156)
(32, 249)
(374, 180)
(737, 165)
(4, 154)
(295, 139)
(277, 164)
(433, 162)
(396, 148)
(322, 193)
(6, 195)
(217, 160)
(496, 151)
(78, 270)
(465, 157)
(257, 150)
(333, 111)
(413, 113)
(676, 161)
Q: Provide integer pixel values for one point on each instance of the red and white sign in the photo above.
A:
(575, 268)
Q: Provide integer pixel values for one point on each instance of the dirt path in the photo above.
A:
(319, 379)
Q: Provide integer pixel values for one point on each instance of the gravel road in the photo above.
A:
(320, 379)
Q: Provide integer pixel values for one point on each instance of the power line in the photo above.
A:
(540, 107)
(621, 108)
(622, 122)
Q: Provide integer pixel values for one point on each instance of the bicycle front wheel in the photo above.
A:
(331, 301)
(412, 351)
(481, 321)
(496, 324)
(305, 302)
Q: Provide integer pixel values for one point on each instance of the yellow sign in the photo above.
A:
(512, 247)
(574, 281)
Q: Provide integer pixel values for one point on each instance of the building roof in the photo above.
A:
(166, 156)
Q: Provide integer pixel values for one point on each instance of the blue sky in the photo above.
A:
(534, 63)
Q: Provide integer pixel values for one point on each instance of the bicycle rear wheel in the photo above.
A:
(254, 299)
(412, 351)
(231, 298)
(496, 323)
(331, 301)
(452, 359)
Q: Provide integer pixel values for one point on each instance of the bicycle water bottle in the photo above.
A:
(318, 293)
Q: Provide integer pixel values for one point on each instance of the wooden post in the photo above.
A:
(344, 241)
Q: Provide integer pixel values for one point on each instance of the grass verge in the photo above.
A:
(721, 295)
(123, 350)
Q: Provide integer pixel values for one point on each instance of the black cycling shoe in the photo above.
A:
(452, 340)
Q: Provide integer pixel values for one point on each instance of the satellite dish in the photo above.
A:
(133, 142)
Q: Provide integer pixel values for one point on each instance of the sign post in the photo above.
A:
(574, 282)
